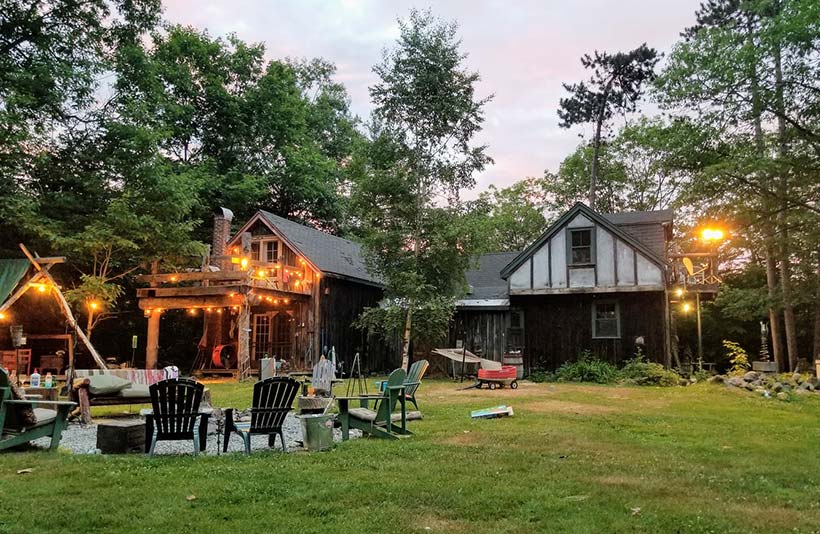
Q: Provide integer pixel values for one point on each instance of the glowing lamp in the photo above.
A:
(687, 307)
(286, 301)
(261, 273)
(2, 316)
(679, 292)
(93, 305)
(243, 263)
(711, 234)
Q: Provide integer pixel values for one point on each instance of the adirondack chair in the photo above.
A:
(176, 414)
(13, 432)
(323, 376)
(379, 421)
(272, 400)
(411, 385)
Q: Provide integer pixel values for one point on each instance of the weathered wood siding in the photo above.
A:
(484, 332)
(340, 303)
(616, 265)
(559, 327)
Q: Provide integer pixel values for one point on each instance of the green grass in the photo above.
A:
(575, 458)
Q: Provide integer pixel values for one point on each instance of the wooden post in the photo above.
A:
(244, 340)
(152, 341)
(667, 331)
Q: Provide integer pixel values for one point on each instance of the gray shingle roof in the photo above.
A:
(331, 254)
(485, 279)
(640, 217)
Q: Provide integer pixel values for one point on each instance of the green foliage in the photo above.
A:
(738, 357)
(645, 373)
(588, 369)
(509, 219)
(430, 319)
(701, 375)
(425, 117)
(538, 376)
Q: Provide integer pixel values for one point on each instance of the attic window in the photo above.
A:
(580, 245)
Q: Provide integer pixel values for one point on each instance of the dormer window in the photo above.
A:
(581, 248)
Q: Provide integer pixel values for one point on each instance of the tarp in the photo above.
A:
(11, 272)
(457, 354)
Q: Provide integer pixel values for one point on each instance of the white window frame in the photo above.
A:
(595, 305)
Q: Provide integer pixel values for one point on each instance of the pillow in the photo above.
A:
(136, 391)
(106, 384)
(24, 413)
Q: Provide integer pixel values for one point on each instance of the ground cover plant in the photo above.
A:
(574, 458)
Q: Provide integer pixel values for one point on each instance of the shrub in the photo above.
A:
(642, 372)
(701, 375)
(588, 369)
(539, 375)
(737, 357)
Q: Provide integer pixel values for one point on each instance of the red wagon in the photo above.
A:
(493, 378)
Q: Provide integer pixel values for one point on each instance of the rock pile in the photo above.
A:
(781, 386)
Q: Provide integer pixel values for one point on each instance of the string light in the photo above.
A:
(687, 307)
(679, 292)
(93, 305)
(174, 278)
(2, 316)
(243, 263)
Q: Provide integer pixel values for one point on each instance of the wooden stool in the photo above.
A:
(121, 436)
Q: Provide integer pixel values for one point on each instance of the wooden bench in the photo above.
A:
(140, 380)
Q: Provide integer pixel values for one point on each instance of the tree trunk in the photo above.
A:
(405, 345)
(596, 146)
(785, 271)
(816, 347)
(774, 316)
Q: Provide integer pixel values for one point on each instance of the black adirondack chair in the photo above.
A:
(176, 413)
(272, 400)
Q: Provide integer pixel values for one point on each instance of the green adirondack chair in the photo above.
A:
(413, 381)
(379, 421)
(13, 432)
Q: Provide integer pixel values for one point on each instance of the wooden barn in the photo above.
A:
(591, 282)
(275, 288)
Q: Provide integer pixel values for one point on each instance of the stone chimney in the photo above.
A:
(222, 232)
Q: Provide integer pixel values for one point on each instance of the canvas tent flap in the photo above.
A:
(11, 272)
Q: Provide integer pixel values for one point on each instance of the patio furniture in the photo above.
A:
(413, 381)
(15, 429)
(136, 392)
(272, 400)
(175, 414)
(379, 421)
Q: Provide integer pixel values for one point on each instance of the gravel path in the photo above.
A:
(82, 439)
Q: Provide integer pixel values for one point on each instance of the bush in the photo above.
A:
(644, 373)
(588, 369)
(737, 357)
(539, 375)
(701, 375)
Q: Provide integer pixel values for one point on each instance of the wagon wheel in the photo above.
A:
(492, 385)
(514, 384)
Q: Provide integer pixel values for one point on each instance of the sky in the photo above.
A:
(523, 49)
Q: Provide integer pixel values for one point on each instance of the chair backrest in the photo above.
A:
(272, 400)
(415, 375)
(390, 396)
(323, 375)
(176, 405)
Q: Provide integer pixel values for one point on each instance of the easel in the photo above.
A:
(358, 382)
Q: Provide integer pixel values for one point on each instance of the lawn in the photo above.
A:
(575, 458)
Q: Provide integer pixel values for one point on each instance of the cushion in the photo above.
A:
(369, 415)
(45, 416)
(106, 384)
(135, 391)
(23, 413)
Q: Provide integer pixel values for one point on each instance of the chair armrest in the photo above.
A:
(33, 397)
(406, 384)
(229, 424)
(52, 403)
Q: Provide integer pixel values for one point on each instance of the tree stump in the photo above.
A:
(121, 436)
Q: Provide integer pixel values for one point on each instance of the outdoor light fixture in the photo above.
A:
(243, 263)
(679, 292)
(711, 234)
(93, 305)
(687, 307)
(2, 316)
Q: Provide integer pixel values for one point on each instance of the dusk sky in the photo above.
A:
(523, 50)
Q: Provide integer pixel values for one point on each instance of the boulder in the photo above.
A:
(761, 391)
(783, 396)
(777, 387)
(805, 386)
(796, 378)
(814, 381)
(735, 381)
(751, 376)
(801, 391)
(717, 379)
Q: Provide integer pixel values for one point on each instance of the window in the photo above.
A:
(581, 247)
(255, 251)
(272, 252)
(606, 320)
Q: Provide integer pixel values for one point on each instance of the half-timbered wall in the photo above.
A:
(615, 265)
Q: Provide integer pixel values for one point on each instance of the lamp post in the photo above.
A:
(711, 236)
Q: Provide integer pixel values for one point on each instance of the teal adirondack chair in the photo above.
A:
(13, 432)
(379, 421)
(413, 381)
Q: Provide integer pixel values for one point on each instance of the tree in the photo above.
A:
(615, 86)
(426, 114)
(508, 219)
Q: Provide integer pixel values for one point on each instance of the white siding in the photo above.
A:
(584, 277)
(605, 257)
(540, 268)
(520, 279)
(558, 249)
(579, 221)
(626, 264)
(648, 272)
